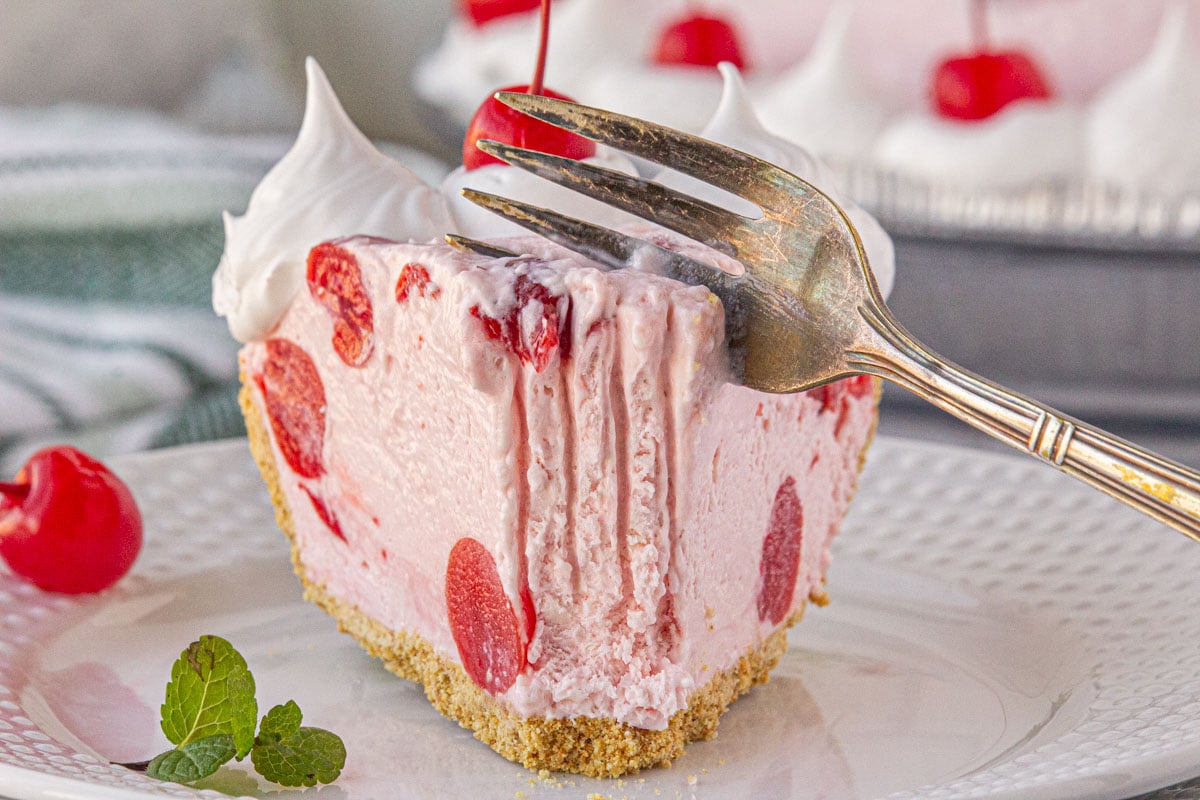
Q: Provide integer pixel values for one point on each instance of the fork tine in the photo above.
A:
(608, 247)
(693, 218)
(465, 244)
(740, 173)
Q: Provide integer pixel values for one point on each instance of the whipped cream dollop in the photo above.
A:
(1027, 142)
(333, 182)
(471, 61)
(736, 124)
(1143, 130)
(1138, 133)
(824, 101)
(638, 89)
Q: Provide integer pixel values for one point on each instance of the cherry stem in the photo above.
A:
(979, 25)
(539, 70)
(15, 492)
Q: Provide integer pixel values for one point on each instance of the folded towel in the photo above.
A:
(111, 378)
(110, 230)
(109, 233)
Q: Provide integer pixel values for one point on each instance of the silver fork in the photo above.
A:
(808, 309)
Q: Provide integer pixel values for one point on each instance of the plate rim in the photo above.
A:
(1141, 774)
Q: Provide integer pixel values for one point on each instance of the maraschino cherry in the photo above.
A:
(976, 85)
(68, 524)
(482, 12)
(699, 39)
(494, 120)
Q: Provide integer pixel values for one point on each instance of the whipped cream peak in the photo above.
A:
(735, 124)
(333, 182)
(824, 102)
(829, 52)
(1141, 130)
(1173, 46)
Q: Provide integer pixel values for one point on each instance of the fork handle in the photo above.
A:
(1157, 486)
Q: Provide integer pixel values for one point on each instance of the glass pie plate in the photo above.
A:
(1080, 294)
(996, 630)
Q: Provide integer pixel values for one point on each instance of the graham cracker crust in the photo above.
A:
(600, 748)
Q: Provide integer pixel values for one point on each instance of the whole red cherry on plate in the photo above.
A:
(701, 40)
(976, 85)
(67, 523)
(482, 12)
(496, 121)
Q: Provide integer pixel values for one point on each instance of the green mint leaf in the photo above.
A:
(281, 722)
(211, 692)
(192, 761)
(306, 757)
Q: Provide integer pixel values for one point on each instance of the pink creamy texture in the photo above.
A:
(625, 484)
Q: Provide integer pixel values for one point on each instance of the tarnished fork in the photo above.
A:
(808, 309)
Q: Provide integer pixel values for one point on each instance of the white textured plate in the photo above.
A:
(997, 630)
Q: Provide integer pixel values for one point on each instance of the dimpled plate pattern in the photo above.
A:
(996, 630)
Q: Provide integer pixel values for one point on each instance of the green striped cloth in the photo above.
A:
(109, 234)
(110, 230)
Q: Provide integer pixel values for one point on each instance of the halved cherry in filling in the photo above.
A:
(832, 396)
(482, 620)
(835, 397)
(780, 564)
(533, 336)
(325, 513)
(414, 280)
(335, 281)
(294, 397)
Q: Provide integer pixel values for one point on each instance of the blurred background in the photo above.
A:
(127, 126)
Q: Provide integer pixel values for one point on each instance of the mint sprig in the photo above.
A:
(192, 761)
(294, 756)
(211, 692)
(210, 713)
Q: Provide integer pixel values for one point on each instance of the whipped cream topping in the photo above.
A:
(468, 65)
(471, 62)
(824, 102)
(1142, 130)
(735, 124)
(333, 182)
(1138, 133)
